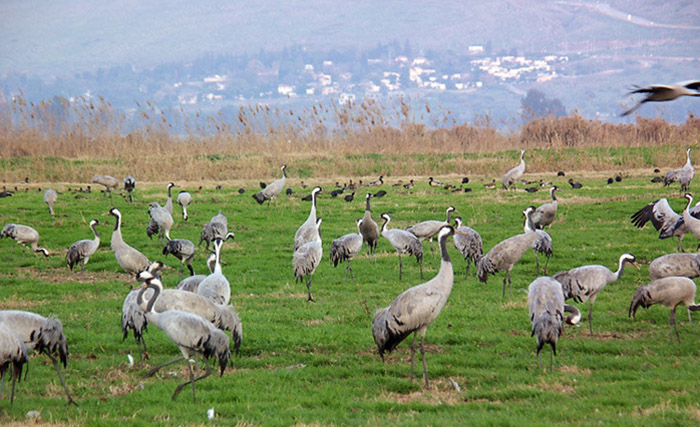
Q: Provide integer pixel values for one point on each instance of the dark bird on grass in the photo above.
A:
(307, 257)
(183, 250)
(575, 185)
(465, 180)
(369, 230)
(272, 190)
(677, 264)
(350, 197)
(378, 182)
(308, 231)
(610, 181)
(434, 183)
(192, 334)
(289, 192)
(657, 170)
(307, 198)
(404, 242)
(545, 303)
(666, 220)
(561, 173)
(532, 189)
(684, 174)
(110, 183)
(346, 248)
(380, 193)
(504, 256)
(429, 229)
(335, 193)
(618, 178)
(41, 334)
(415, 309)
(82, 250)
(130, 260)
(657, 179)
(512, 176)
(216, 228)
(242, 191)
(13, 357)
(219, 187)
(129, 186)
(468, 242)
(262, 185)
(5, 193)
(586, 282)
(542, 244)
(50, 197)
(23, 234)
(669, 291)
(184, 199)
(408, 185)
(661, 93)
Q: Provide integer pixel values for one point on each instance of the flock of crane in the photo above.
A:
(195, 313)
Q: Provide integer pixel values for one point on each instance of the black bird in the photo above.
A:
(349, 197)
(219, 187)
(335, 193)
(307, 198)
(610, 181)
(657, 179)
(657, 170)
(618, 178)
(380, 193)
(467, 189)
(241, 190)
(575, 185)
(531, 189)
(465, 180)
(262, 185)
(561, 173)
(289, 192)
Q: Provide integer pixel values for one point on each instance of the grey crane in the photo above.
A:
(545, 303)
(130, 260)
(129, 186)
(41, 334)
(183, 250)
(191, 283)
(216, 286)
(677, 264)
(661, 93)
(429, 229)
(504, 256)
(50, 197)
(684, 174)
(369, 230)
(669, 291)
(184, 199)
(133, 318)
(168, 206)
(272, 190)
(13, 355)
(161, 221)
(404, 242)
(216, 228)
(665, 219)
(468, 242)
(415, 309)
(23, 234)
(347, 247)
(307, 258)
(585, 283)
(82, 250)
(189, 332)
(110, 183)
(542, 244)
(512, 176)
(308, 231)
(545, 213)
(222, 316)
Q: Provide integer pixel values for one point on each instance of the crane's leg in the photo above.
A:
(400, 265)
(157, 368)
(551, 359)
(192, 381)
(308, 286)
(680, 243)
(432, 250)
(413, 352)
(422, 352)
(504, 284)
(537, 260)
(2, 381)
(190, 268)
(420, 266)
(466, 271)
(82, 271)
(539, 358)
(63, 383)
(546, 263)
(590, 318)
(672, 322)
(12, 250)
(15, 375)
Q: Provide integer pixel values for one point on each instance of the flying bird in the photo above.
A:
(661, 93)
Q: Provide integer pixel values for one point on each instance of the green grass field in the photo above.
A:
(316, 363)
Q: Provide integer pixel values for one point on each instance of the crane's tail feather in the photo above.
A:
(641, 298)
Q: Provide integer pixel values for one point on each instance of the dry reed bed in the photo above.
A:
(69, 141)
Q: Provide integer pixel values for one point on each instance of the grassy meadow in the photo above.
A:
(316, 363)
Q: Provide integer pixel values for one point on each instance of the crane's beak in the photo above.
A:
(636, 266)
(460, 232)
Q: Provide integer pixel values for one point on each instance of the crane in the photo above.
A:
(403, 242)
(347, 247)
(50, 197)
(512, 176)
(369, 230)
(82, 250)
(661, 93)
(272, 190)
(23, 234)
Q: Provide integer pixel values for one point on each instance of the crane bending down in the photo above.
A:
(13, 355)
(189, 332)
(678, 264)
(110, 183)
(415, 309)
(468, 244)
(23, 234)
(41, 334)
(272, 190)
(50, 197)
(585, 283)
(661, 93)
(545, 303)
(669, 291)
(429, 229)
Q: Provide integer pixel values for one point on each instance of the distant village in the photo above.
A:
(382, 76)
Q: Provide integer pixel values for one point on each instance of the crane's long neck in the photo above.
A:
(386, 223)
(312, 212)
(446, 271)
(687, 206)
(217, 265)
(554, 197)
(117, 233)
(284, 173)
(529, 226)
(449, 211)
(94, 231)
(687, 163)
(152, 300)
(620, 268)
(367, 209)
(170, 191)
